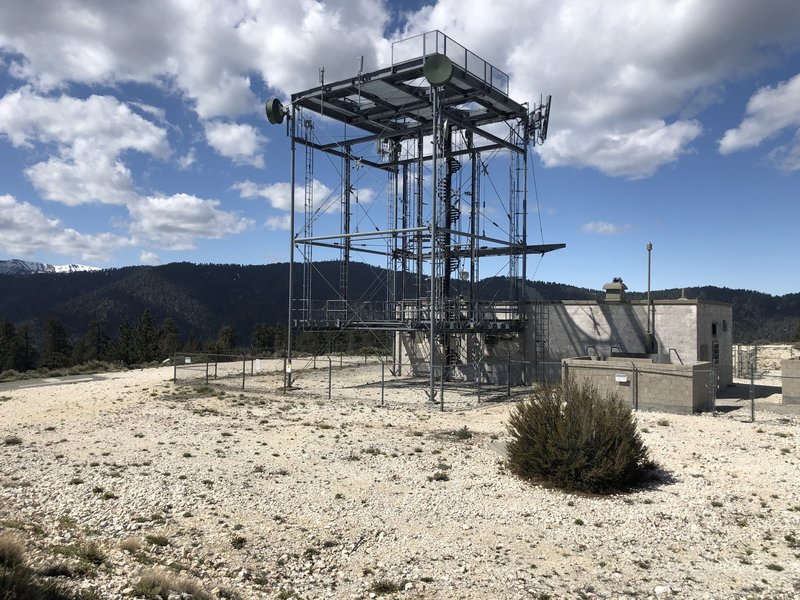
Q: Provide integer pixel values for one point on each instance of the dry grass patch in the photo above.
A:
(157, 585)
(11, 551)
(132, 544)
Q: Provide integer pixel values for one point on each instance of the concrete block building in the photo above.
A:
(646, 385)
(790, 377)
(683, 331)
(529, 345)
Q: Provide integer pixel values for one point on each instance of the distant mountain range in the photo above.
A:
(16, 266)
(201, 298)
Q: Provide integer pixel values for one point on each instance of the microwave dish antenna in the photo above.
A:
(276, 111)
(438, 69)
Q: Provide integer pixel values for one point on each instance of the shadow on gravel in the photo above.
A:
(655, 477)
(658, 477)
(741, 391)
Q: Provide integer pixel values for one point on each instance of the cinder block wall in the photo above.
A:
(473, 356)
(715, 325)
(646, 385)
(790, 376)
(580, 328)
(576, 325)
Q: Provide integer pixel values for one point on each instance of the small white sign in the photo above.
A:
(621, 378)
(187, 360)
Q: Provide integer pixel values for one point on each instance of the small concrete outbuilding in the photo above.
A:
(672, 359)
(676, 353)
(790, 380)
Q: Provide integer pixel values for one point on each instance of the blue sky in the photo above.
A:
(135, 136)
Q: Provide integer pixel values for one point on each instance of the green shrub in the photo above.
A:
(463, 434)
(385, 586)
(157, 540)
(572, 437)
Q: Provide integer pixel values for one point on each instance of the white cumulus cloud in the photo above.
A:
(627, 78)
(192, 47)
(603, 228)
(149, 258)
(240, 142)
(770, 111)
(280, 222)
(279, 194)
(26, 230)
(176, 222)
(88, 137)
(207, 51)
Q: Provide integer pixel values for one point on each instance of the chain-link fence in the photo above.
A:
(244, 370)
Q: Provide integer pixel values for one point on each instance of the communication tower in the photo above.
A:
(433, 128)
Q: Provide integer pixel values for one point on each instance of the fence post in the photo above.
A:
(330, 376)
(284, 375)
(215, 365)
(752, 388)
(713, 390)
(315, 362)
(206, 369)
(244, 369)
(383, 380)
(479, 377)
(174, 368)
(635, 385)
(441, 388)
(508, 377)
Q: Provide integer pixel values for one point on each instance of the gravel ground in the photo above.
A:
(260, 494)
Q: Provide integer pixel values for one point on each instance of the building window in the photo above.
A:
(715, 353)
(714, 329)
(724, 325)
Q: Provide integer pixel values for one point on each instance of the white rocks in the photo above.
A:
(480, 534)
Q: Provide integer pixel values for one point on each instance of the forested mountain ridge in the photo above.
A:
(202, 298)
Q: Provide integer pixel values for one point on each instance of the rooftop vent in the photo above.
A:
(615, 291)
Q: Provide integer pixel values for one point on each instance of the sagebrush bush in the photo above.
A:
(572, 437)
(157, 585)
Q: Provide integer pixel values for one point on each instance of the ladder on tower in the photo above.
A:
(541, 329)
(308, 218)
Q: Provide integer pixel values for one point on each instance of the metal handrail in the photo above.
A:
(671, 350)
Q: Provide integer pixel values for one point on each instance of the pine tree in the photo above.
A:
(56, 348)
(144, 339)
(94, 345)
(226, 338)
(167, 335)
(124, 349)
(26, 348)
(262, 339)
(193, 345)
(8, 346)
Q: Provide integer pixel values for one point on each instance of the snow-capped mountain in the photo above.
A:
(16, 266)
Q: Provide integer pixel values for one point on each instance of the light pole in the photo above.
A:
(650, 338)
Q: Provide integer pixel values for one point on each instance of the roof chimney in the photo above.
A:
(615, 291)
